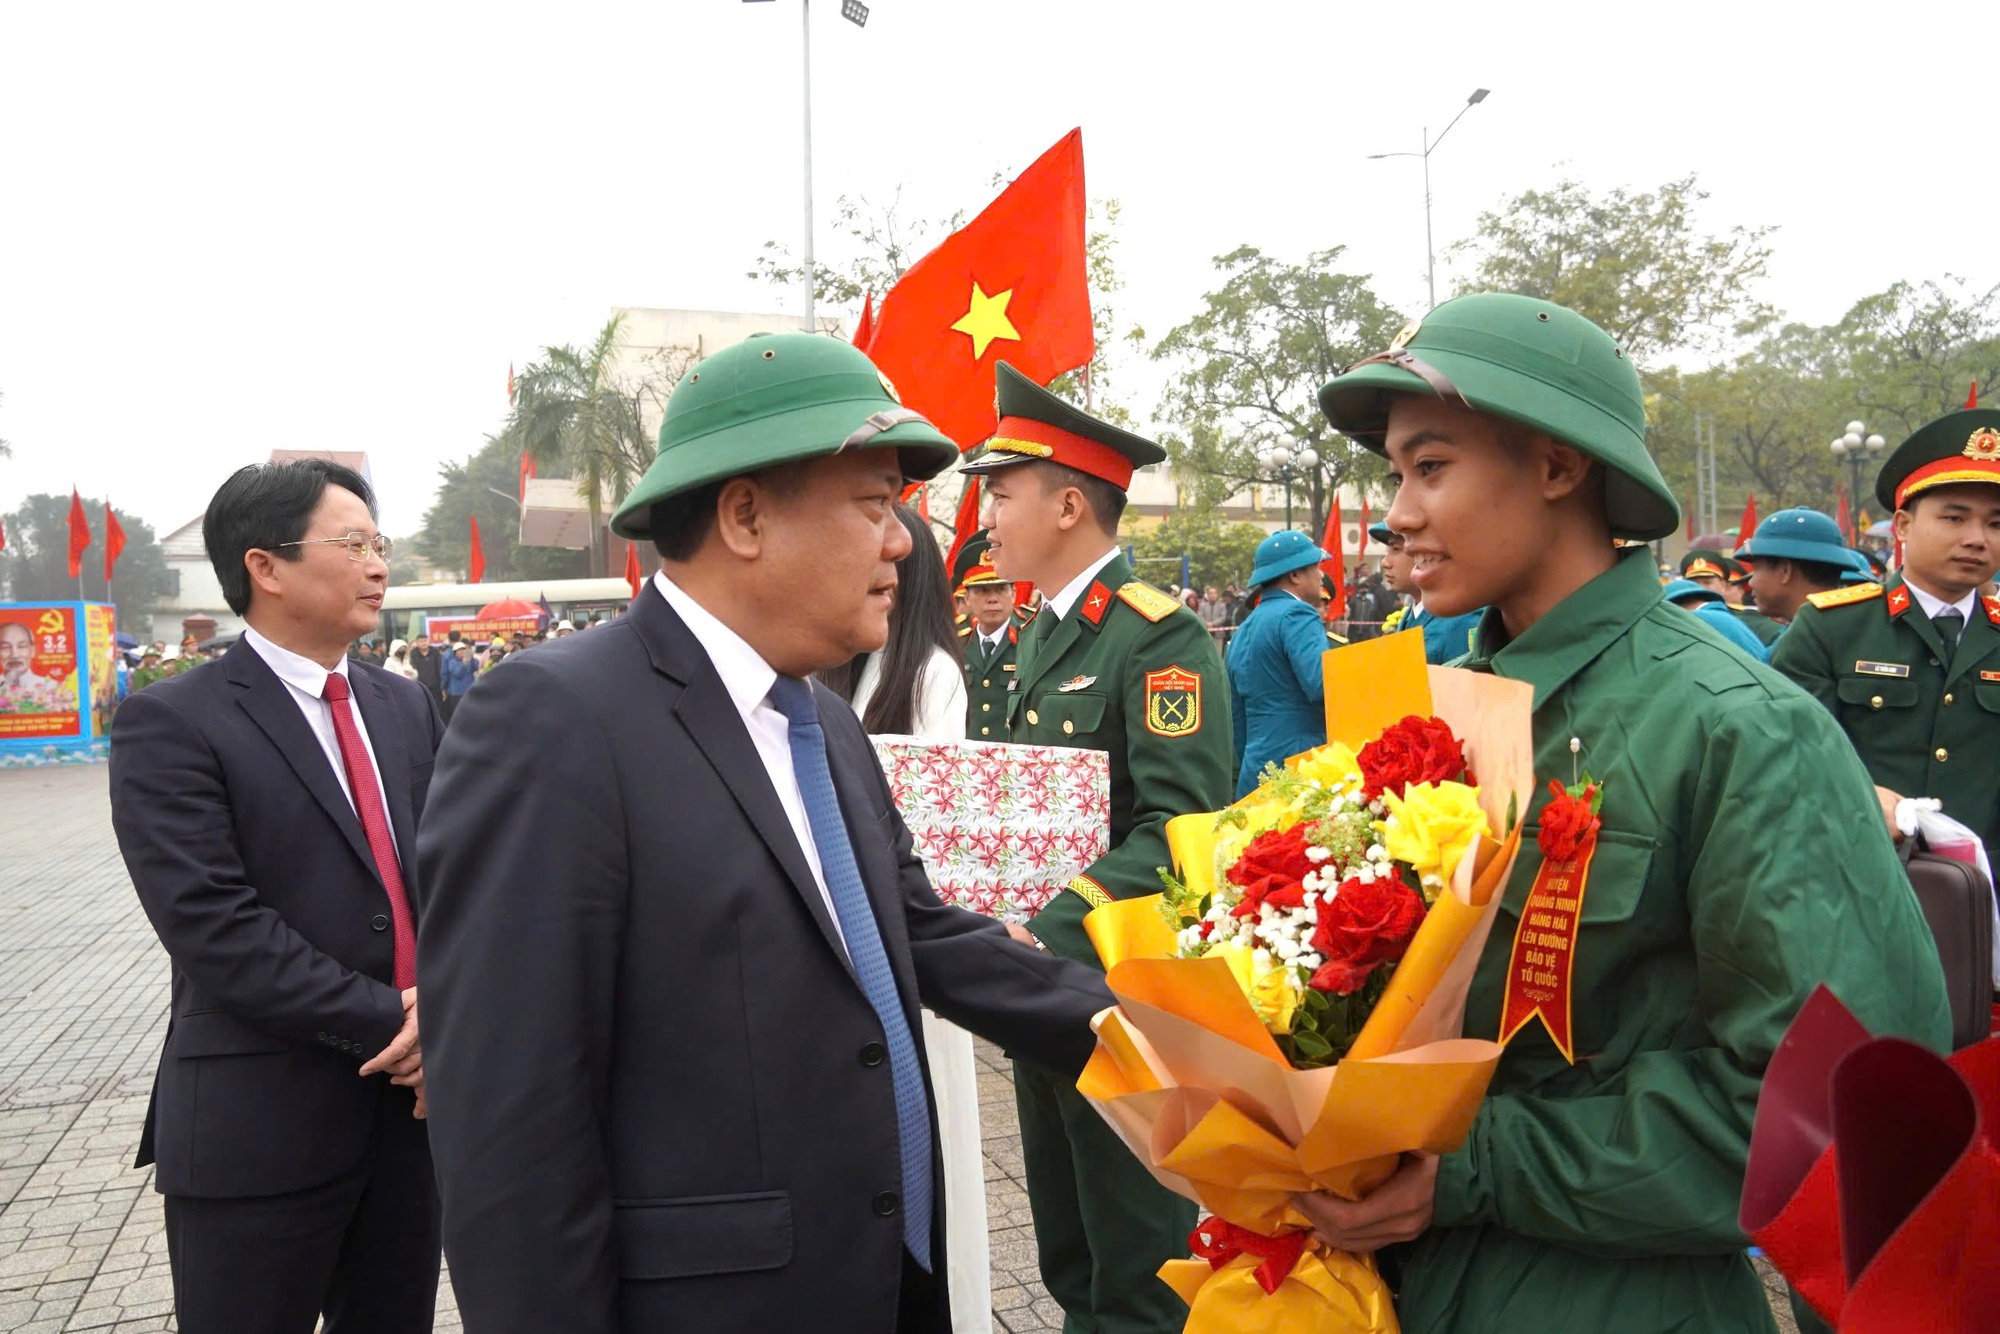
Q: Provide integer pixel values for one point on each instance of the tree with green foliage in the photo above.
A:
(483, 487)
(34, 567)
(577, 415)
(1248, 367)
(1635, 262)
(1908, 354)
(1218, 552)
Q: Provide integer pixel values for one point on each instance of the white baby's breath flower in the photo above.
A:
(1260, 960)
(1316, 853)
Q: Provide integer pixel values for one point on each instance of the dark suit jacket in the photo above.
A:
(658, 1096)
(256, 875)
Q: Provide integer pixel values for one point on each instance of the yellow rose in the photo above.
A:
(1432, 826)
(1273, 993)
(1331, 765)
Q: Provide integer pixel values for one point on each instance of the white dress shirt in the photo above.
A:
(305, 681)
(940, 696)
(748, 679)
(1932, 607)
(1076, 587)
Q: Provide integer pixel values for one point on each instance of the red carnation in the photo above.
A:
(1567, 822)
(1415, 750)
(1366, 924)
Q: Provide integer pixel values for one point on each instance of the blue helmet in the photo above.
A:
(1802, 534)
(1281, 553)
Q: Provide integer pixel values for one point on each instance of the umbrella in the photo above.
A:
(507, 609)
(123, 640)
(1882, 528)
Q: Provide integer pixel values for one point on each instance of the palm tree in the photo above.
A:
(574, 417)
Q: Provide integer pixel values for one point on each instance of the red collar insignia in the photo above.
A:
(1095, 603)
(1898, 600)
(1992, 606)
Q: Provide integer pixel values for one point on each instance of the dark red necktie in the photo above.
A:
(375, 823)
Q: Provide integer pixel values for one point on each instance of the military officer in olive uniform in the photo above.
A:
(1599, 1186)
(1115, 665)
(1911, 666)
(988, 641)
(1729, 578)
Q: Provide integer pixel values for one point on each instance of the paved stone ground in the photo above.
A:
(83, 1006)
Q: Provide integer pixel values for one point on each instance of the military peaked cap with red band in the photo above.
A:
(1036, 424)
(1962, 446)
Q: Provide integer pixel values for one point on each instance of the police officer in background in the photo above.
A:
(988, 640)
(1115, 665)
(1911, 666)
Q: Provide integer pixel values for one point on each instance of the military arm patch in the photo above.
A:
(1148, 601)
(1173, 702)
(1840, 597)
(1089, 891)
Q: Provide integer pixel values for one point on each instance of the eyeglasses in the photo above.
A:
(358, 545)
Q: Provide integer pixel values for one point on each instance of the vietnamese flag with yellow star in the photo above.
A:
(1011, 285)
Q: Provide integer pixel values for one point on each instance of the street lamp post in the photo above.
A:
(1288, 464)
(1430, 144)
(1857, 446)
(855, 12)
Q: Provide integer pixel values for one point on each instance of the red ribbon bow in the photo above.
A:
(1219, 1242)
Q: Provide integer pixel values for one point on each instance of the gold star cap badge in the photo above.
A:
(1984, 444)
(1404, 335)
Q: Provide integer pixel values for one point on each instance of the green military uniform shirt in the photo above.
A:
(1742, 862)
(987, 677)
(1926, 722)
(1131, 672)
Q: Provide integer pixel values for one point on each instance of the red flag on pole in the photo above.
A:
(510, 382)
(635, 577)
(1333, 567)
(114, 542)
(79, 534)
(924, 503)
(1013, 285)
(1746, 527)
(967, 522)
(1844, 518)
(1972, 395)
(864, 328)
(475, 560)
(527, 474)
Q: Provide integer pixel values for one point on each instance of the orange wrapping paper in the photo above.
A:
(1187, 1076)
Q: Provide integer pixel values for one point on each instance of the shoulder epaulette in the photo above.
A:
(1840, 597)
(965, 631)
(1148, 601)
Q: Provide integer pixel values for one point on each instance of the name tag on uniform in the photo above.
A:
(1012, 684)
(1006, 666)
(1881, 669)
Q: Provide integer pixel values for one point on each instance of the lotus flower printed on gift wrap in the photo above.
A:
(1000, 828)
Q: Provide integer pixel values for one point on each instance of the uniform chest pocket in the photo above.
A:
(1988, 695)
(1881, 692)
(1076, 713)
(1612, 891)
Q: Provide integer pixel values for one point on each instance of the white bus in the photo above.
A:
(407, 607)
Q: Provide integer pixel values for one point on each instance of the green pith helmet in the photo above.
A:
(1529, 361)
(777, 398)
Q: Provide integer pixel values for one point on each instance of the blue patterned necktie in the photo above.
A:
(793, 698)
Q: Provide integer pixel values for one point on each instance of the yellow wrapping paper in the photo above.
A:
(1187, 1076)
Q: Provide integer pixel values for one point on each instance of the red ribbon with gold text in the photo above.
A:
(1544, 955)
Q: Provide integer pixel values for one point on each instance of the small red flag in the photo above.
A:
(510, 382)
(114, 542)
(634, 576)
(1746, 527)
(1333, 567)
(924, 503)
(475, 560)
(864, 328)
(967, 522)
(1972, 396)
(1013, 285)
(1844, 518)
(79, 534)
(527, 474)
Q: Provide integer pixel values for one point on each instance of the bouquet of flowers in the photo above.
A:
(1290, 1006)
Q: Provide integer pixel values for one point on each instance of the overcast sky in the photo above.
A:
(229, 228)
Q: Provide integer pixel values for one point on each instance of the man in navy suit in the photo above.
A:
(675, 937)
(267, 809)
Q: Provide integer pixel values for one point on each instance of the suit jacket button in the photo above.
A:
(1874, 701)
(1947, 700)
(379, 922)
(1033, 721)
(987, 682)
(984, 731)
(1942, 755)
(886, 1203)
(985, 708)
(319, 1037)
(873, 1053)
(1069, 728)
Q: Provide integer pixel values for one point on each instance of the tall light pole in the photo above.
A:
(855, 12)
(1288, 464)
(1857, 446)
(1430, 144)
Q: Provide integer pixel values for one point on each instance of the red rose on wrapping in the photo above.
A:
(1415, 750)
(1271, 870)
(1366, 924)
(1566, 823)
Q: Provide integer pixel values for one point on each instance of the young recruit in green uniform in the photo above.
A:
(1911, 667)
(1114, 665)
(987, 642)
(1729, 877)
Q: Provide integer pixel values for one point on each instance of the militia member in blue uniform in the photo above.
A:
(1795, 554)
(1446, 638)
(1277, 703)
(987, 640)
(1713, 611)
(1911, 666)
(1601, 1193)
(1115, 665)
(1729, 578)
